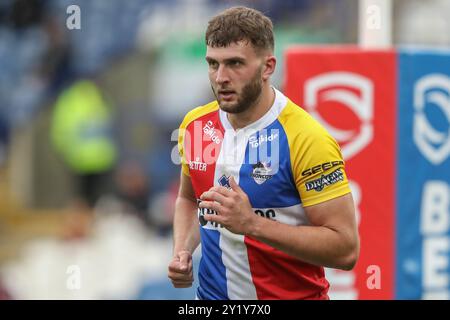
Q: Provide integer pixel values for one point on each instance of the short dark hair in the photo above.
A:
(240, 24)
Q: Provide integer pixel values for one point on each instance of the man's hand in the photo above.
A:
(180, 270)
(233, 208)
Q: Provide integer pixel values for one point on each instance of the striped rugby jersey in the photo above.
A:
(284, 162)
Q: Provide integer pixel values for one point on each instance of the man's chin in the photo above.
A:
(228, 107)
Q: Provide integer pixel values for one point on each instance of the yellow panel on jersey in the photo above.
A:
(189, 118)
(316, 159)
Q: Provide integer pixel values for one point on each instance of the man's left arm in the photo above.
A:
(330, 241)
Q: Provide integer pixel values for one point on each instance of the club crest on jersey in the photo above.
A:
(261, 172)
(325, 180)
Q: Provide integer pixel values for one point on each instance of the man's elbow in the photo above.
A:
(349, 260)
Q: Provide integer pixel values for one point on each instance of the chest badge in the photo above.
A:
(261, 172)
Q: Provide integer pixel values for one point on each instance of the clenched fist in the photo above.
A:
(180, 270)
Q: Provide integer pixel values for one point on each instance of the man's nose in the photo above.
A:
(222, 75)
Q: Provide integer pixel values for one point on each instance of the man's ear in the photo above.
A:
(269, 67)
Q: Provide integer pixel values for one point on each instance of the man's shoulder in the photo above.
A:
(199, 112)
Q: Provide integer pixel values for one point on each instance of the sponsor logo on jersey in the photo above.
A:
(266, 213)
(321, 167)
(197, 165)
(210, 131)
(261, 172)
(264, 138)
(201, 217)
(224, 181)
(325, 180)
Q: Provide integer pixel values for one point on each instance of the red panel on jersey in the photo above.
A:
(201, 151)
(273, 272)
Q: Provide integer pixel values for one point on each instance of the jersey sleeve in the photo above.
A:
(181, 148)
(184, 139)
(318, 167)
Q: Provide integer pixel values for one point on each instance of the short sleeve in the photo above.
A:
(181, 149)
(184, 139)
(318, 168)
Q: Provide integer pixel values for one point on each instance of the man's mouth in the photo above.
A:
(226, 94)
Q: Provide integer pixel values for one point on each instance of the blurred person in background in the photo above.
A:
(162, 208)
(81, 132)
(265, 234)
(133, 189)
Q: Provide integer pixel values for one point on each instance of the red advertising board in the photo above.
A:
(352, 93)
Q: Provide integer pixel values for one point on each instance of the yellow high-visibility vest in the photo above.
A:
(81, 129)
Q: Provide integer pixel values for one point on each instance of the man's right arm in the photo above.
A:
(186, 235)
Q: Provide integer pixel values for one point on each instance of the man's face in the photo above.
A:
(235, 74)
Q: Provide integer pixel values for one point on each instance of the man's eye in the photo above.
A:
(235, 63)
(213, 64)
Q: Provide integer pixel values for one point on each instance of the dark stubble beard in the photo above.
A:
(251, 93)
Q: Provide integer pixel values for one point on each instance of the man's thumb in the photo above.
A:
(185, 258)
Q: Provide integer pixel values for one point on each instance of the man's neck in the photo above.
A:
(256, 112)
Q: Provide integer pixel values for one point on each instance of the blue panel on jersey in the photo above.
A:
(212, 275)
(423, 175)
(266, 174)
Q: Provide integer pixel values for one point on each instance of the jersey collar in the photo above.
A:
(270, 116)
